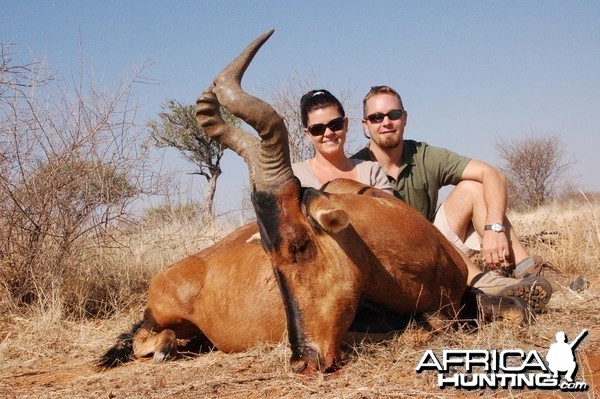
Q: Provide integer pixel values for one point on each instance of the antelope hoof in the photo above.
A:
(300, 367)
(160, 357)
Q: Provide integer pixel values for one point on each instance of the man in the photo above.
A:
(473, 215)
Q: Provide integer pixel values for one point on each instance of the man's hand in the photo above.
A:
(494, 247)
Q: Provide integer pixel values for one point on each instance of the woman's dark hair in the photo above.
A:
(317, 99)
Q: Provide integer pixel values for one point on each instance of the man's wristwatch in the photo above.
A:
(497, 227)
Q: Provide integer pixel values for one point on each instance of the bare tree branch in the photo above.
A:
(534, 167)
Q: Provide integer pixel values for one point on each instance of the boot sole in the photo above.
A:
(536, 292)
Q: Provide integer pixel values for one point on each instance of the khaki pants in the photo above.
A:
(472, 243)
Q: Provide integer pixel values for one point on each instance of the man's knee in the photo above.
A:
(468, 188)
(461, 204)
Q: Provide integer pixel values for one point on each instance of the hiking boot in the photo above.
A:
(536, 291)
(538, 268)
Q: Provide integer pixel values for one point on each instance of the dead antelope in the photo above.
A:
(324, 254)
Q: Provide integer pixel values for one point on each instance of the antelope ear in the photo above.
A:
(324, 212)
(332, 220)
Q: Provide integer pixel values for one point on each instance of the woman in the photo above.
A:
(326, 125)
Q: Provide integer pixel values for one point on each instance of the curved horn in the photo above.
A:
(208, 115)
(272, 166)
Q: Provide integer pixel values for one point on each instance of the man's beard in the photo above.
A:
(389, 142)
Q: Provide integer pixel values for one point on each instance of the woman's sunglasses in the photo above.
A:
(334, 125)
(378, 117)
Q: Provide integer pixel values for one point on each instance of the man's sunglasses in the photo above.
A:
(378, 117)
(334, 125)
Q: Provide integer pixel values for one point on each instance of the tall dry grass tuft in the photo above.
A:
(565, 233)
(116, 279)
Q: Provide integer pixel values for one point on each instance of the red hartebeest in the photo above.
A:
(323, 254)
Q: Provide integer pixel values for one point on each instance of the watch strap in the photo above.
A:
(497, 227)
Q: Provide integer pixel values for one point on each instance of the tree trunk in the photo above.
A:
(209, 196)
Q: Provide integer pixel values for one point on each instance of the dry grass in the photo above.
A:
(570, 234)
(45, 356)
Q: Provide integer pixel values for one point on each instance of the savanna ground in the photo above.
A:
(45, 355)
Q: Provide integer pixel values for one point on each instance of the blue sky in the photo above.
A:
(470, 72)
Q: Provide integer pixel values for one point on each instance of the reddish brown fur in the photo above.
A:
(322, 276)
(388, 254)
(226, 292)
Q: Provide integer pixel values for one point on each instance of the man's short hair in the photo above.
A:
(380, 90)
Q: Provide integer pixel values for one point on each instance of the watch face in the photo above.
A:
(497, 227)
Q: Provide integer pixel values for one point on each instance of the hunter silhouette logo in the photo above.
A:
(561, 356)
(512, 368)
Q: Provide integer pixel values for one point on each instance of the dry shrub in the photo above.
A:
(535, 168)
(71, 166)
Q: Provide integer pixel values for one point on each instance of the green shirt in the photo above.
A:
(425, 169)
